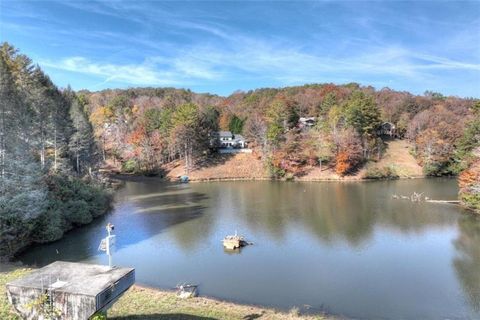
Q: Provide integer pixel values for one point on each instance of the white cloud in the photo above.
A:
(253, 58)
(137, 74)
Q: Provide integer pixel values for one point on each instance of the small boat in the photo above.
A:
(234, 242)
(185, 291)
(184, 179)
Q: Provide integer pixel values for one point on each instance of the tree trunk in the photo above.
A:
(103, 148)
(78, 163)
(186, 158)
(55, 148)
(2, 144)
(42, 142)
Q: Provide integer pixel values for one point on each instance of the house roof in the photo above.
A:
(225, 134)
(303, 119)
(388, 124)
(239, 137)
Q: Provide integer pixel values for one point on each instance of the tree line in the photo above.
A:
(469, 153)
(141, 127)
(47, 147)
(52, 140)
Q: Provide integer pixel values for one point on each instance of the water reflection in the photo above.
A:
(142, 211)
(331, 212)
(348, 248)
(467, 262)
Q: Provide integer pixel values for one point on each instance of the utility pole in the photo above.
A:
(107, 244)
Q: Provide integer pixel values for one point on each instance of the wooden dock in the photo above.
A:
(444, 201)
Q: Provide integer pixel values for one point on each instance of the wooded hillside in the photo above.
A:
(145, 128)
(46, 146)
(52, 141)
(469, 152)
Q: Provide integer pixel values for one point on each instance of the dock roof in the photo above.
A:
(75, 278)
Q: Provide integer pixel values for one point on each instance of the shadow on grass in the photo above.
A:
(253, 316)
(174, 316)
(213, 160)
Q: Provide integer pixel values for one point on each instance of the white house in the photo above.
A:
(306, 122)
(227, 139)
(388, 129)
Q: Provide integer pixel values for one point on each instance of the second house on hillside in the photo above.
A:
(228, 140)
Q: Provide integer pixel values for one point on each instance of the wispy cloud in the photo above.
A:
(224, 46)
(153, 71)
(262, 59)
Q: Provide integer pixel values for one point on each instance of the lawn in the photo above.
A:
(146, 303)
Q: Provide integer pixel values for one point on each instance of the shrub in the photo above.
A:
(130, 166)
(78, 212)
(387, 172)
(437, 169)
(469, 183)
(274, 170)
(71, 201)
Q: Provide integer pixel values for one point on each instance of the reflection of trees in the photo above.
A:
(467, 263)
(326, 210)
(78, 244)
(332, 211)
(329, 211)
(406, 216)
(142, 211)
(181, 212)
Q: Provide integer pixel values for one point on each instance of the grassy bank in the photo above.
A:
(146, 303)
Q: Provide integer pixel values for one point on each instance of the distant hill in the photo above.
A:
(142, 130)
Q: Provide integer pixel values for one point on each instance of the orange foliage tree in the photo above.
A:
(224, 120)
(349, 152)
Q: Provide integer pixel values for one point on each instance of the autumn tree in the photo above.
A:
(469, 141)
(185, 121)
(256, 131)
(348, 152)
(224, 121)
(469, 183)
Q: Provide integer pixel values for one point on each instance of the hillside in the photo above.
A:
(153, 130)
(242, 166)
(397, 156)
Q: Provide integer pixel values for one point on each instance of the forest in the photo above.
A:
(143, 129)
(47, 152)
(53, 141)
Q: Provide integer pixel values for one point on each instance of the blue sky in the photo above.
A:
(220, 47)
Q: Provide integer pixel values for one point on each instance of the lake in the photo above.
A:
(343, 248)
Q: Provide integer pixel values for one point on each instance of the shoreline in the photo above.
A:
(137, 178)
(228, 303)
(145, 302)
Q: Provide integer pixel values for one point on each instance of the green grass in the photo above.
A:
(150, 304)
(7, 274)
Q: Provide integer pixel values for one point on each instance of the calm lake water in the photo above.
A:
(341, 248)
